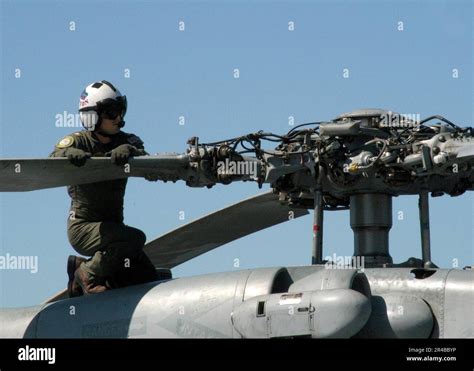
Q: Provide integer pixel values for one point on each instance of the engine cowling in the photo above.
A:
(336, 313)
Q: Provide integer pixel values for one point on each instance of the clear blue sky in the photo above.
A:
(190, 73)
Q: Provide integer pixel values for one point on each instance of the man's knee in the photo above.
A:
(140, 237)
(136, 238)
(133, 245)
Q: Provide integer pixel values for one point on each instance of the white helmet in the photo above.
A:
(101, 98)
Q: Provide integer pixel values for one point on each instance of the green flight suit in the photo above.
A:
(95, 224)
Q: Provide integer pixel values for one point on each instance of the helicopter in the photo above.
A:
(358, 162)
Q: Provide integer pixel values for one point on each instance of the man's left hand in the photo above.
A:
(122, 154)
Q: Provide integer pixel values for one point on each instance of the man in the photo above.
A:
(95, 223)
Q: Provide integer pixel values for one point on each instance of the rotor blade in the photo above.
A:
(19, 175)
(61, 295)
(216, 229)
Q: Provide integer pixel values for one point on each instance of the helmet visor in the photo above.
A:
(111, 108)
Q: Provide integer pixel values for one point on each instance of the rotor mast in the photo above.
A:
(371, 220)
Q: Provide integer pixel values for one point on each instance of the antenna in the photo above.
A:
(423, 206)
(318, 221)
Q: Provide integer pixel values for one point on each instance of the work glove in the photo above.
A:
(76, 156)
(122, 153)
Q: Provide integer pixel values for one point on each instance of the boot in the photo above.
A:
(73, 263)
(87, 285)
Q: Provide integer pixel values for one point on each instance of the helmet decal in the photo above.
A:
(83, 101)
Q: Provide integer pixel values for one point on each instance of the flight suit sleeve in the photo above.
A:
(135, 141)
(69, 141)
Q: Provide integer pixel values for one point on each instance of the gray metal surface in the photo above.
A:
(325, 279)
(458, 313)
(398, 315)
(336, 313)
(205, 306)
(449, 295)
(14, 322)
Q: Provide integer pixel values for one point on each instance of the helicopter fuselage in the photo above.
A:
(306, 301)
